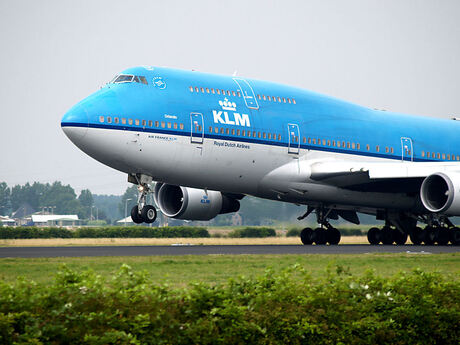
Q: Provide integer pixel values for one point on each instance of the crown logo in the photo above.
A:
(226, 105)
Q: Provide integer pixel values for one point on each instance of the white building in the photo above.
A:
(55, 219)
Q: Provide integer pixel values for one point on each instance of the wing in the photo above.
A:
(378, 176)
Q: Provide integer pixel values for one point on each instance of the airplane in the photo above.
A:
(209, 140)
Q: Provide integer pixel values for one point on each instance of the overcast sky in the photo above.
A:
(398, 55)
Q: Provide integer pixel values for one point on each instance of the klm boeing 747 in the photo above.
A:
(209, 140)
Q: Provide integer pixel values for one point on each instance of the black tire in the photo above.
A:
(416, 236)
(373, 236)
(455, 236)
(135, 216)
(333, 236)
(387, 235)
(399, 237)
(148, 214)
(319, 236)
(443, 236)
(306, 236)
(429, 235)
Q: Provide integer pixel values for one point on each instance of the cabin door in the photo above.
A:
(197, 128)
(407, 150)
(247, 92)
(294, 138)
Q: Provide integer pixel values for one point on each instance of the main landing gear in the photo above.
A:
(325, 234)
(142, 213)
(439, 230)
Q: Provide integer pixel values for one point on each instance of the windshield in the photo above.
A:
(128, 78)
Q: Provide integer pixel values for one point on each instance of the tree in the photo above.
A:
(5, 195)
(130, 193)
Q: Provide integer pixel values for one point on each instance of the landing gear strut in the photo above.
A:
(326, 233)
(142, 213)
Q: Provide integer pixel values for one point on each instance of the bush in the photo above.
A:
(293, 232)
(252, 232)
(291, 307)
(104, 232)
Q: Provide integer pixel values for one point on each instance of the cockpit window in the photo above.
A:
(128, 78)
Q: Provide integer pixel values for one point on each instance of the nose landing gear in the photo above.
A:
(142, 213)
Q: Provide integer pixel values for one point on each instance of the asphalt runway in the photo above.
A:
(48, 252)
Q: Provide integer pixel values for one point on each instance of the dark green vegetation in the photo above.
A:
(252, 232)
(103, 232)
(287, 307)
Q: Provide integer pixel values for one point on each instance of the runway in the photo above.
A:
(48, 252)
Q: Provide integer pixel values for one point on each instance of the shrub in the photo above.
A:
(252, 232)
(290, 307)
(293, 232)
(104, 232)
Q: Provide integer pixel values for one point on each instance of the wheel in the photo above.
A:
(319, 236)
(387, 235)
(442, 237)
(455, 236)
(148, 214)
(373, 236)
(306, 236)
(399, 237)
(429, 235)
(333, 236)
(135, 216)
(416, 236)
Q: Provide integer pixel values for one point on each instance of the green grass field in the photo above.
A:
(181, 270)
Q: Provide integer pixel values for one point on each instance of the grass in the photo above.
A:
(53, 242)
(181, 270)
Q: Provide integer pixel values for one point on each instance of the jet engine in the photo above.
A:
(191, 203)
(440, 193)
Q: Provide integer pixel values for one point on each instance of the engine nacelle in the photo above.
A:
(191, 203)
(440, 193)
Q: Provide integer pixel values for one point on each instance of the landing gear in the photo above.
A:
(142, 213)
(321, 235)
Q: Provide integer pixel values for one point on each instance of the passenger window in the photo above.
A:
(377, 148)
(130, 121)
(137, 122)
(163, 124)
(228, 93)
(443, 156)
(343, 144)
(274, 99)
(157, 123)
(101, 118)
(234, 93)
(233, 131)
(202, 90)
(216, 130)
(109, 119)
(207, 89)
(423, 153)
(243, 133)
(289, 100)
(284, 100)
(264, 97)
(269, 98)
(238, 93)
(181, 126)
(222, 130)
(210, 129)
(265, 135)
(175, 125)
(191, 88)
(328, 143)
(439, 156)
(218, 91)
(238, 132)
(448, 157)
(293, 101)
(223, 92)
(393, 151)
(123, 121)
(279, 99)
(324, 142)
(304, 140)
(259, 135)
(197, 89)
(367, 147)
(386, 149)
(144, 123)
(258, 96)
(249, 133)
(309, 140)
(279, 137)
(213, 91)
(227, 131)
(353, 145)
(348, 145)
(169, 124)
(115, 119)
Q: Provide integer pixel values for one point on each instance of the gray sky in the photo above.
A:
(398, 55)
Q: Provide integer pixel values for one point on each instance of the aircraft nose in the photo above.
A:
(74, 123)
